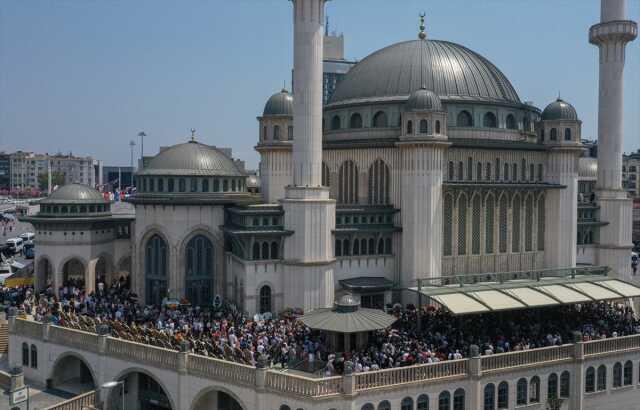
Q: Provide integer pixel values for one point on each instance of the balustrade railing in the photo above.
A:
(531, 357)
(155, 356)
(614, 344)
(221, 369)
(28, 328)
(402, 375)
(304, 386)
(72, 337)
(80, 402)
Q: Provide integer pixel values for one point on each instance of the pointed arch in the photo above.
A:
(541, 222)
(489, 120)
(464, 119)
(489, 222)
(336, 123)
(326, 175)
(380, 120)
(475, 223)
(448, 225)
(348, 183)
(355, 121)
(528, 224)
(379, 181)
(156, 263)
(516, 205)
(502, 237)
(462, 224)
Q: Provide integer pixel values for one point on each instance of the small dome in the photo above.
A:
(423, 100)
(279, 104)
(191, 159)
(560, 110)
(75, 194)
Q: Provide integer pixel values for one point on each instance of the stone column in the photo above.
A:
(422, 208)
(309, 213)
(611, 36)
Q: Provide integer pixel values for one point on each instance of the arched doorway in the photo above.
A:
(216, 400)
(73, 273)
(199, 271)
(71, 374)
(44, 273)
(156, 261)
(141, 392)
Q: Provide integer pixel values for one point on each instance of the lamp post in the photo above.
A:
(110, 385)
(141, 134)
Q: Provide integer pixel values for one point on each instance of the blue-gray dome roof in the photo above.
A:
(450, 70)
(75, 194)
(191, 158)
(279, 104)
(560, 110)
(423, 100)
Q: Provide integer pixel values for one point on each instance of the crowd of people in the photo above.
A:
(224, 332)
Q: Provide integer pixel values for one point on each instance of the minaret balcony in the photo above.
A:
(613, 31)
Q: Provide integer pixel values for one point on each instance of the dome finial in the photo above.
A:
(193, 135)
(422, 35)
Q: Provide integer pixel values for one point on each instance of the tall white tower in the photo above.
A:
(309, 213)
(611, 36)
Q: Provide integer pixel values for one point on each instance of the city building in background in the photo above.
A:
(631, 173)
(114, 177)
(5, 171)
(29, 170)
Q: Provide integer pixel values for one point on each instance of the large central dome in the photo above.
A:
(452, 71)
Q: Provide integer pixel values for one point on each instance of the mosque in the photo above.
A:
(425, 165)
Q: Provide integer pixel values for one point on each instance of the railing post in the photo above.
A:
(46, 328)
(103, 334)
(475, 374)
(11, 319)
(349, 380)
(578, 384)
(183, 357)
(262, 366)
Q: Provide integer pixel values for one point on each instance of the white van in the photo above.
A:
(16, 244)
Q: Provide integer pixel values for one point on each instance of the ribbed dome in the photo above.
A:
(192, 158)
(450, 70)
(75, 194)
(423, 100)
(560, 110)
(279, 104)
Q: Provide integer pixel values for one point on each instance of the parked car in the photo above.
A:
(15, 244)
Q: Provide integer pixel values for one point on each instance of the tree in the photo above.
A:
(57, 178)
(554, 403)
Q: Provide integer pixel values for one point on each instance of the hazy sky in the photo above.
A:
(87, 75)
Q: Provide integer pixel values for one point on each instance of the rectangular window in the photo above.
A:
(216, 185)
(160, 184)
(152, 184)
(194, 184)
(170, 185)
(182, 186)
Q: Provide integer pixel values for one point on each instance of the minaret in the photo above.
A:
(309, 213)
(611, 36)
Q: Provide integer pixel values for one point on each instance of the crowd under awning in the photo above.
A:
(484, 297)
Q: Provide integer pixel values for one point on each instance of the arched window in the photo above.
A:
(379, 183)
(437, 126)
(368, 406)
(542, 134)
(264, 133)
(534, 390)
(363, 246)
(380, 120)
(523, 170)
(528, 224)
(424, 127)
(552, 386)
(384, 405)
(356, 247)
(409, 127)
(355, 121)
(462, 225)
(335, 122)
(628, 373)
(274, 250)
(464, 119)
(326, 175)
(423, 402)
(489, 224)
(459, 399)
(514, 174)
(156, 264)
(256, 251)
(290, 132)
(387, 246)
(475, 225)
(448, 225)
(381, 247)
(346, 249)
(511, 122)
(451, 173)
(489, 120)
(469, 169)
(503, 395)
(521, 392)
(338, 247)
(487, 172)
(406, 404)
(34, 356)
(265, 299)
(479, 171)
(497, 169)
(590, 380)
(204, 185)
(565, 384)
(553, 134)
(541, 223)
(372, 246)
(444, 401)
(276, 132)
(490, 397)
(515, 228)
(540, 172)
(506, 172)
(526, 124)
(199, 270)
(25, 355)
(502, 239)
(531, 172)
(460, 171)
(567, 134)
(602, 378)
(265, 251)
(348, 183)
(617, 375)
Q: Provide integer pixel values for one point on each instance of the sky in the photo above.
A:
(87, 75)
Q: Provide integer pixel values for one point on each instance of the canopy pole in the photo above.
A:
(419, 308)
